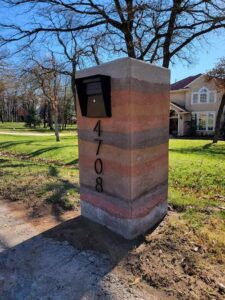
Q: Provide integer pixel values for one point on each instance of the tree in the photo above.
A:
(47, 78)
(72, 54)
(32, 118)
(218, 73)
(10, 94)
(160, 30)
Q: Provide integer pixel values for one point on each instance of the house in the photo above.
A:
(21, 113)
(194, 103)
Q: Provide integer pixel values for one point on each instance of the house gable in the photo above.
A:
(202, 95)
(201, 98)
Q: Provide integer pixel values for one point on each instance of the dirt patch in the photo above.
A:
(171, 260)
(43, 188)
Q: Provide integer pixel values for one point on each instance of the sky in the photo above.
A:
(205, 56)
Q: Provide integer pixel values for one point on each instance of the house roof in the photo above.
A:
(21, 112)
(182, 84)
(178, 108)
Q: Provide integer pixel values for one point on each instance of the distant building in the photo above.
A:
(21, 113)
(194, 99)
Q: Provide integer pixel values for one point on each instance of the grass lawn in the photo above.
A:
(197, 189)
(42, 147)
(46, 170)
(20, 127)
(39, 171)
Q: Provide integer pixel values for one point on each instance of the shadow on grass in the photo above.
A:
(49, 192)
(44, 150)
(207, 146)
(10, 144)
(7, 163)
(3, 160)
(60, 190)
(53, 171)
(5, 145)
(208, 149)
(19, 165)
(72, 162)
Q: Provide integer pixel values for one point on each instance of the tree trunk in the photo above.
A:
(1, 117)
(56, 127)
(45, 115)
(73, 88)
(94, 52)
(50, 122)
(218, 119)
(170, 31)
(130, 45)
(62, 120)
(55, 109)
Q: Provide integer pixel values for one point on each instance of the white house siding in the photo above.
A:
(178, 97)
(184, 98)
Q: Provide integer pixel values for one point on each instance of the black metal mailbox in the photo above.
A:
(94, 93)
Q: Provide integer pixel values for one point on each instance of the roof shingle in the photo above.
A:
(181, 84)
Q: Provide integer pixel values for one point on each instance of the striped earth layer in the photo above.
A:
(134, 149)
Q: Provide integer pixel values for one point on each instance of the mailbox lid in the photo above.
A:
(96, 107)
(94, 93)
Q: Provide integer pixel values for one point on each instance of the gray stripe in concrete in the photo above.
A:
(136, 140)
(155, 191)
(128, 228)
(139, 86)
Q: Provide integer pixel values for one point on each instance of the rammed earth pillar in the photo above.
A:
(123, 144)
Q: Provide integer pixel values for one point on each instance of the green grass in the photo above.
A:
(20, 127)
(41, 170)
(38, 170)
(197, 172)
(197, 190)
(42, 147)
(38, 183)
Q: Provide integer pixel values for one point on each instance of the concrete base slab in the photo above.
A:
(128, 228)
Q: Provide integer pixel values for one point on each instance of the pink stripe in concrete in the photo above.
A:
(126, 212)
(126, 170)
(117, 211)
(149, 106)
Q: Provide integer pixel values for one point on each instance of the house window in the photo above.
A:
(195, 98)
(210, 121)
(204, 120)
(203, 96)
(212, 96)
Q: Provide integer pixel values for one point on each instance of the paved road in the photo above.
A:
(36, 267)
(24, 133)
(34, 133)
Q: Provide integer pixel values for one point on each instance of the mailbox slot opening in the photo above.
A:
(94, 95)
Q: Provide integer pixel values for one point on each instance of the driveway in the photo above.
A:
(63, 261)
